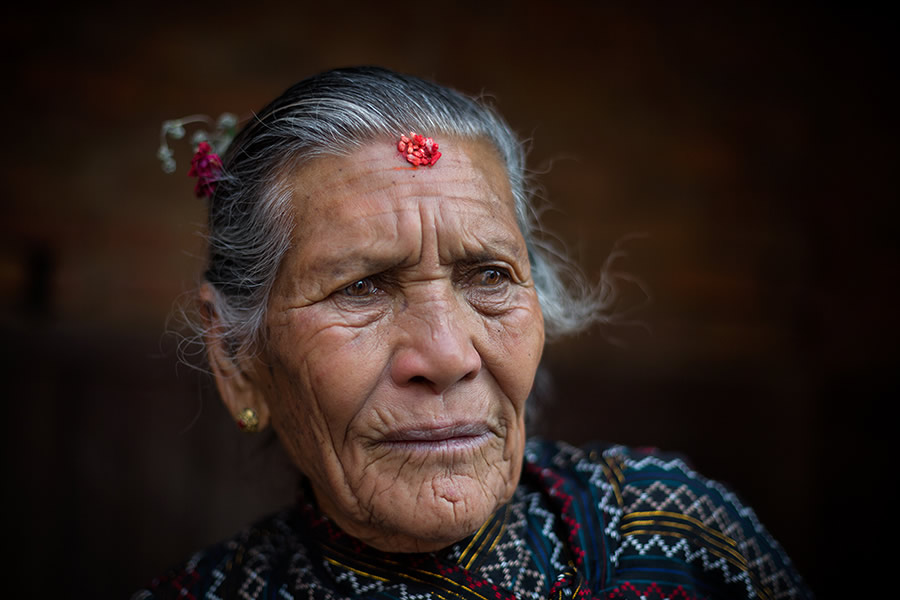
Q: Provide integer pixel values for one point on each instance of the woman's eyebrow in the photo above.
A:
(355, 263)
(497, 248)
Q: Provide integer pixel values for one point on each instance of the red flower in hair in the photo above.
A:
(206, 167)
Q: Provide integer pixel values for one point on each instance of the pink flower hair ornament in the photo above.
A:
(206, 166)
(206, 163)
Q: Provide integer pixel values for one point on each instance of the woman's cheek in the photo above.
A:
(521, 336)
(343, 368)
(522, 323)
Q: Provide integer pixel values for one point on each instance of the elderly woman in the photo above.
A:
(379, 299)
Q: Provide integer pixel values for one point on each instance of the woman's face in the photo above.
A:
(404, 332)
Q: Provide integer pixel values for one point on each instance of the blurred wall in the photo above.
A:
(744, 154)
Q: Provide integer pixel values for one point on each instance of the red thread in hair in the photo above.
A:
(418, 150)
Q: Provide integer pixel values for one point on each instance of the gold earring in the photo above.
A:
(248, 420)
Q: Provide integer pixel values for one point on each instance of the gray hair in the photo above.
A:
(334, 113)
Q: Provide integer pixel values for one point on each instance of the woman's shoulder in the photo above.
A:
(264, 556)
(642, 479)
(661, 515)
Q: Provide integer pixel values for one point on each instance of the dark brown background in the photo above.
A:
(754, 147)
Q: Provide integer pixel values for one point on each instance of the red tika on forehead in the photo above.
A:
(418, 150)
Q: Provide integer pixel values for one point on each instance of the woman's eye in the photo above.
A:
(492, 277)
(363, 287)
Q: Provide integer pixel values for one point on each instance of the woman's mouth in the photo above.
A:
(458, 436)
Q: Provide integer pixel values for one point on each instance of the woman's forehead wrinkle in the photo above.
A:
(428, 228)
(355, 237)
(485, 228)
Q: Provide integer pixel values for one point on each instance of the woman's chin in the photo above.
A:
(427, 515)
(452, 509)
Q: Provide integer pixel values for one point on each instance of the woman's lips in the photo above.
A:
(431, 438)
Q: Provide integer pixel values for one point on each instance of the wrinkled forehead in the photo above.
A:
(469, 174)
(371, 212)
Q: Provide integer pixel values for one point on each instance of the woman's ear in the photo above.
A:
(236, 377)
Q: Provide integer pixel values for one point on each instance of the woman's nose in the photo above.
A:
(436, 347)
